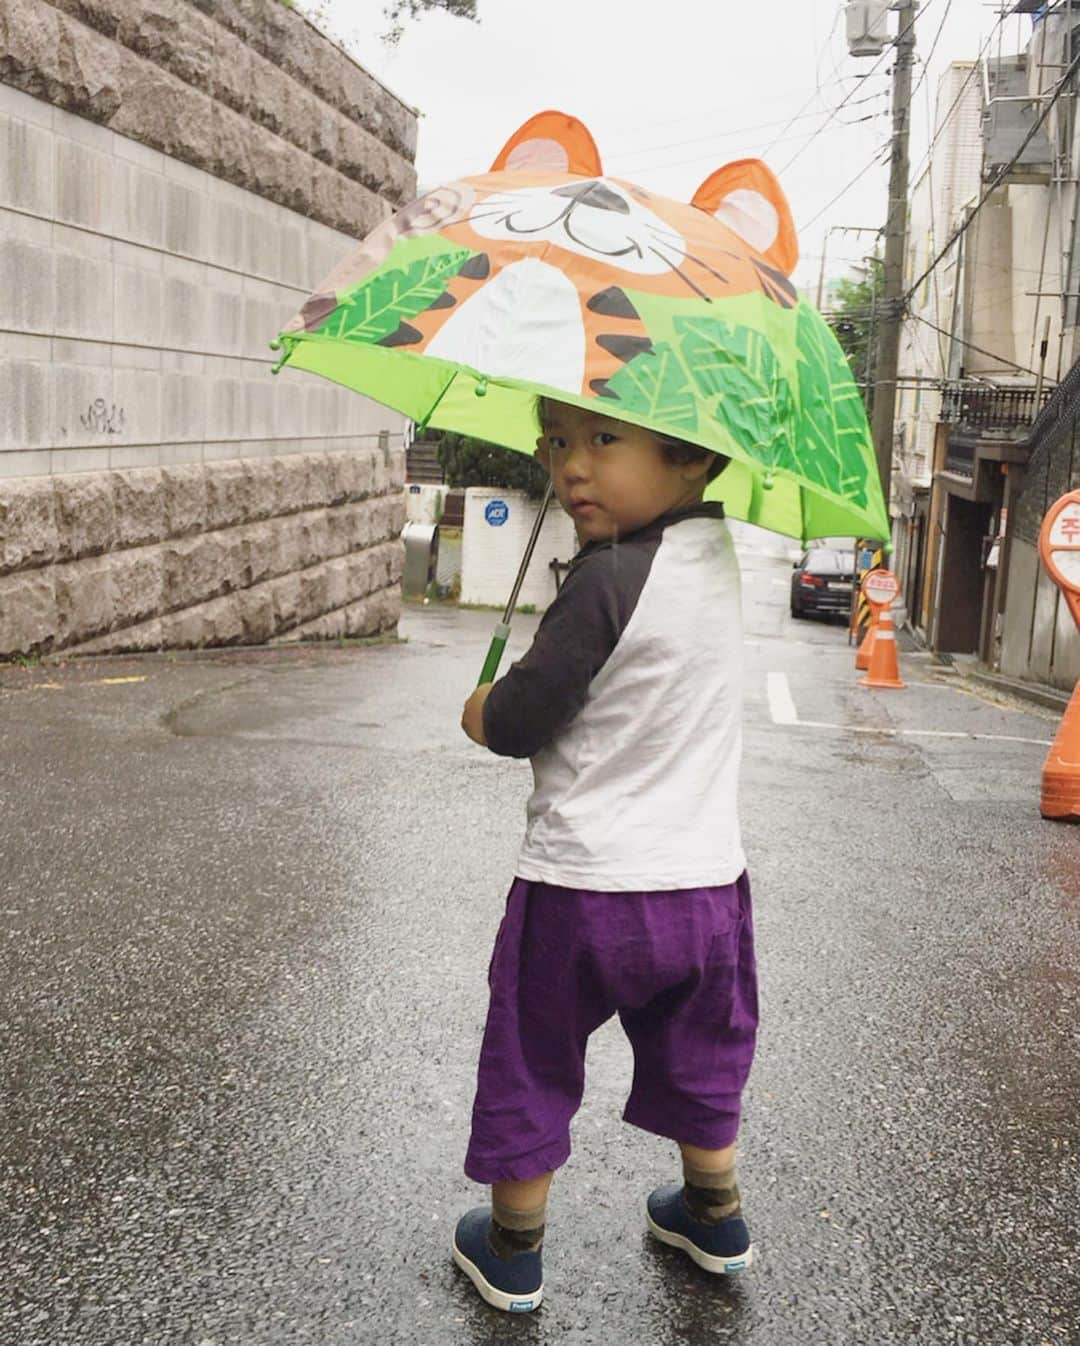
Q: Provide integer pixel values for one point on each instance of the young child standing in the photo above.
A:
(631, 895)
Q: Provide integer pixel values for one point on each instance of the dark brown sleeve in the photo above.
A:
(545, 689)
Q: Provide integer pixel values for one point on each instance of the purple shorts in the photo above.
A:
(678, 969)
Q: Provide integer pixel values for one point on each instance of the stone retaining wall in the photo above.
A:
(306, 546)
(176, 177)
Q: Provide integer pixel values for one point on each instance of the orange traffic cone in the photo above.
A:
(1061, 770)
(866, 648)
(884, 669)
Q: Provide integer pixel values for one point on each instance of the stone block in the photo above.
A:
(85, 514)
(28, 531)
(229, 493)
(263, 488)
(185, 317)
(337, 584)
(27, 167)
(256, 609)
(84, 599)
(361, 565)
(227, 236)
(84, 297)
(285, 597)
(137, 395)
(338, 531)
(27, 287)
(138, 204)
(187, 220)
(24, 463)
(138, 305)
(84, 410)
(166, 114)
(261, 553)
(184, 486)
(194, 569)
(84, 180)
(174, 36)
(25, 404)
(142, 638)
(46, 53)
(139, 507)
(137, 577)
(313, 592)
(314, 537)
(27, 612)
(362, 525)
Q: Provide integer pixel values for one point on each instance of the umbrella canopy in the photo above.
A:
(545, 277)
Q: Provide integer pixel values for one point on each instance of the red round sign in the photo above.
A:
(880, 587)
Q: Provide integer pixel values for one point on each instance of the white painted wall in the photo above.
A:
(491, 553)
(138, 296)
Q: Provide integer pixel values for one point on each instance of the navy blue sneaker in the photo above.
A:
(720, 1248)
(514, 1284)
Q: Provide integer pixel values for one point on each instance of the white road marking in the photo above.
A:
(781, 706)
(889, 732)
(782, 711)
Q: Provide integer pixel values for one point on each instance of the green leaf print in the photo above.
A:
(833, 439)
(376, 307)
(654, 385)
(739, 379)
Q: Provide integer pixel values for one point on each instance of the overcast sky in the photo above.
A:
(673, 90)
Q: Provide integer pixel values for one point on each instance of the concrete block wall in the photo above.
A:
(142, 277)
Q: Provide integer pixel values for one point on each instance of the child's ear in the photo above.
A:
(746, 196)
(550, 142)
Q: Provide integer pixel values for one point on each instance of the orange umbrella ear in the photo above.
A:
(746, 196)
(550, 142)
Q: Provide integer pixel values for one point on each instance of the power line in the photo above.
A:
(735, 131)
(876, 158)
(896, 43)
(999, 177)
(1001, 359)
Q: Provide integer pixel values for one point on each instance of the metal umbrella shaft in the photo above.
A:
(502, 630)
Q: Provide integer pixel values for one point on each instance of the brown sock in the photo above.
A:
(711, 1195)
(516, 1231)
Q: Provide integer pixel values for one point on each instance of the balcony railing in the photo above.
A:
(978, 407)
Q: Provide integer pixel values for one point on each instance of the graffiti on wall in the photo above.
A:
(102, 419)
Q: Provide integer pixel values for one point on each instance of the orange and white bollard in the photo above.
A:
(884, 665)
(1059, 548)
(877, 653)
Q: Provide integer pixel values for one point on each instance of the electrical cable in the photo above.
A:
(877, 158)
(1022, 369)
(999, 177)
(899, 38)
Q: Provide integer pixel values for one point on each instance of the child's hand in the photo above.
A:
(472, 717)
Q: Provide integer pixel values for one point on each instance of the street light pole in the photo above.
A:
(890, 315)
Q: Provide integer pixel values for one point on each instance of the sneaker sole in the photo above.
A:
(719, 1266)
(498, 1299)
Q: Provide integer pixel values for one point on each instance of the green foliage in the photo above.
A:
(474, 462)
(852, 322)
(398, 12)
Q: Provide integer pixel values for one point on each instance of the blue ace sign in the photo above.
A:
(496, 512)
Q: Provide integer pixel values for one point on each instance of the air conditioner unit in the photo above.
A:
(867, 27)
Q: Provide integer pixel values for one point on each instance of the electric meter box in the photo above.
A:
(867, 27)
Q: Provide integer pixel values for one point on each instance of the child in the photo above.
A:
(631, 894)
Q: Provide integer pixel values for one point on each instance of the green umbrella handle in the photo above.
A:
(494, 654)
(502, 630)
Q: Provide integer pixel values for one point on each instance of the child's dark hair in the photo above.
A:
(676, 451)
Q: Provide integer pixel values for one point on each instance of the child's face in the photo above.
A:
(610, 476)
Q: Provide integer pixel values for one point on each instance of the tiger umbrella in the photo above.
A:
(544, 277)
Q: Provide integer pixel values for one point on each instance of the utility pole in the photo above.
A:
(890, 312)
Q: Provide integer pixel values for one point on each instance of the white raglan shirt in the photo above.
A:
(629, 703)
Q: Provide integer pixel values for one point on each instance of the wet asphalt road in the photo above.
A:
(247, 907)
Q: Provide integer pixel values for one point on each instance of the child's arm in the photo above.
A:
(472, 717)
(541, 693)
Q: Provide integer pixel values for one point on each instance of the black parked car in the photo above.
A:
(822, 578)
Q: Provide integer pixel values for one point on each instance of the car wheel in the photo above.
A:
(796, 612)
